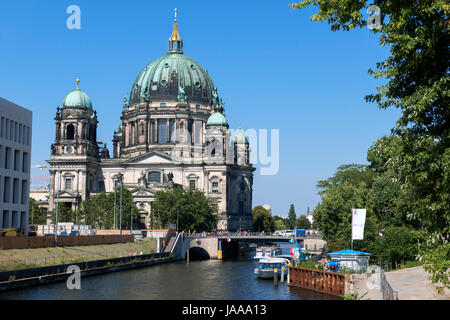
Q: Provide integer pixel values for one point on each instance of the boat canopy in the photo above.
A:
(274, 260)
(348, 253)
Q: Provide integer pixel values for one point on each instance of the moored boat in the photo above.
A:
(267, 266)
(266, 252)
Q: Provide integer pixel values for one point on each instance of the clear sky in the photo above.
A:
(275, 69)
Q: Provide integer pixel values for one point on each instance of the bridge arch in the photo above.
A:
(198, 253)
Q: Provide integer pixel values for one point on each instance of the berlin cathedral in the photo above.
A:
(173, 131)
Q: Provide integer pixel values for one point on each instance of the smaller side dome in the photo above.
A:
(217, 119)
(77, 99)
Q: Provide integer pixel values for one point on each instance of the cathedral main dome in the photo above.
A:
(173, 77)
(166, 77)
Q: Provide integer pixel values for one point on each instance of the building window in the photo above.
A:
(215, 187)
(68, 184)
(154, 177)
(25, 162)
(197, 131)
(70, 132)
(162, 104)
(101, 186)
(197, 107)
(241, 207)
(172, 130)
(192, 184)
(162, 131)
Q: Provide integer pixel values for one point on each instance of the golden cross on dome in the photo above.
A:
(175, 15)
(78, 82)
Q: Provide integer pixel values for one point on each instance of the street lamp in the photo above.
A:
(119, 177)
(178, 210)
(121, 189)
(115, 196)
(57, 209)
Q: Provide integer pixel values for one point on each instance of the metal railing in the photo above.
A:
(386, 290)
(246, 234)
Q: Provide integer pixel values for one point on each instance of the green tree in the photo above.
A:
(262, 220)
(37, 214)
(188, 208)
(65, 214)
(302, 222)
(99, 211)
(279, 225)
(292, 216)
(417, 69)
(417, 82)
(348, 188)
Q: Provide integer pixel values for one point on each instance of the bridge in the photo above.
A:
(217, 245)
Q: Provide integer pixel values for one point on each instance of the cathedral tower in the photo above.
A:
(74, 153)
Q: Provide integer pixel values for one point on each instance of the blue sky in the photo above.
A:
(275, 69)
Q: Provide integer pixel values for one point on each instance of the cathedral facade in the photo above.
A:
(173, 131)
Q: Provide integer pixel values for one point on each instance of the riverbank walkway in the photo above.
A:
(413, 284)
(410, 283)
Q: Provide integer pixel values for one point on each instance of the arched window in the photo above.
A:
(154, 177)
(91, 184)
(70, 133)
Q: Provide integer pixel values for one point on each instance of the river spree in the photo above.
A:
(208, 279)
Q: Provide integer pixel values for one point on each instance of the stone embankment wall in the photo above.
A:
(35, 276)
(63, 241)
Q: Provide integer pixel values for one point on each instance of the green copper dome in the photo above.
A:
(77, 99)
(217, 119)
(174, 77)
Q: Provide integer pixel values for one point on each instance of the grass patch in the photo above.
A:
(31, 258)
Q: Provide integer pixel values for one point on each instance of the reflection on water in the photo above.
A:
(209, 279)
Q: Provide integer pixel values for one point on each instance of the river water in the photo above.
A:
(206, 280)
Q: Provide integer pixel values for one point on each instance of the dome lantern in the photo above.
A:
(175, 42)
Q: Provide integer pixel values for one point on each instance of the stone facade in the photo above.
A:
(164, 138)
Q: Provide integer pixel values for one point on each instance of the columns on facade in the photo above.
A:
(206, 181)
(83, 184)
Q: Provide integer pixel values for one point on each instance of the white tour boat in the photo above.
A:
(267, 266)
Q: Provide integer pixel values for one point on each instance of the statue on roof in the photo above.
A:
(181, 94)
(145, 96)
(142, 181)
(215, 95)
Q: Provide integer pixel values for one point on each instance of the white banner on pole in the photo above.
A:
(358, 221)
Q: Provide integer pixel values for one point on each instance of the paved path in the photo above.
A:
(413, 284)
(363, 287)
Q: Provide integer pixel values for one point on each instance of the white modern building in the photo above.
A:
(15, 157)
